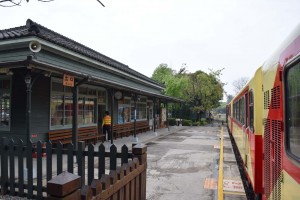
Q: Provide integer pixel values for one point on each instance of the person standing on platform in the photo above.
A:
(106, 124)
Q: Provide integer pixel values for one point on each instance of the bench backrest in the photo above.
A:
(66, 134)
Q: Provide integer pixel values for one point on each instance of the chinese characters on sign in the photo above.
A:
(233, 185)
(68, 80)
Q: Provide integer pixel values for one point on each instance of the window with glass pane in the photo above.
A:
(101, 97)
(234, 110)
(89, 111)
(132, 110)
(86, 105)
(80, 111)
(251, 110)
(142, 111)
(4, 103)
(56, 110)
(126, 113)
(293, 109)
(68, 109)
(62, 105)
(238, 110)
(242, 110)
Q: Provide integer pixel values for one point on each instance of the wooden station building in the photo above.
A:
(49, 82)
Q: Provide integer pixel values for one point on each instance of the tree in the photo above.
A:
(239, 84)
(200, 90)
(204, 91)
(162, 73)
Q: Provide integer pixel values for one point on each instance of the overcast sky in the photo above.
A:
(237, 35)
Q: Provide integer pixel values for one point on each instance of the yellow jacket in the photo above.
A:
(106, 120)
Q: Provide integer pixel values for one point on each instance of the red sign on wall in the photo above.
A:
(68, 80)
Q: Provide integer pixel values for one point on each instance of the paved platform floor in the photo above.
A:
(183, 162)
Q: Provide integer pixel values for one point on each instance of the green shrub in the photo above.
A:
(186, 122)
(203, 123)
(196, 123)
(172, 121)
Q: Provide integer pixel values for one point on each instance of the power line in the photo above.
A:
(101, 3)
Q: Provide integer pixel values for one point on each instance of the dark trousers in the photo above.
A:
(106, 128)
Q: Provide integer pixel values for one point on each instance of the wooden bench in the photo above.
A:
(86, 134)
(142, 126)
(121, 130)
(64, 136)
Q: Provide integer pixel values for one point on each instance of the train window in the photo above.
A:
(251, 110)
(239, 110)
(292, 102)
(234, 110)
(242, 110)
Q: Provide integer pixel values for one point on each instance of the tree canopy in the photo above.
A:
(201, 91)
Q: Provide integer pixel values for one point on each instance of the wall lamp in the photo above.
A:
(27, 79)
(47, 74)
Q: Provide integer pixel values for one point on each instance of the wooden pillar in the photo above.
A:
(74, 116)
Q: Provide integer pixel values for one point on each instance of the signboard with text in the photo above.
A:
(68, 80)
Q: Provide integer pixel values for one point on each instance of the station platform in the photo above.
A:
(226, 181)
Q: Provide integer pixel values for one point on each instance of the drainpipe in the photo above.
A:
(135, 139)
(28, 83)
(112, 115)
(167, 113)
(154, 118)
(75, 111)
(75, 117)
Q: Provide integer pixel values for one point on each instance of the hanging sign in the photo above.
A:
(68, 80)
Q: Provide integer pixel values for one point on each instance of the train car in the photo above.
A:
(264, 121)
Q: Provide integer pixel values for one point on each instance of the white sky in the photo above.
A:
(237, 35)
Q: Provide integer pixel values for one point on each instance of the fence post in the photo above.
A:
(135, 163)
(81, 161)
(4, 167)
(140, 151)
(113, 180)
(120, 175)
(86, 192)
(96, 186)
(65, 185)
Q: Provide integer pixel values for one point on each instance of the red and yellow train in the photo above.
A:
(264, 121)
